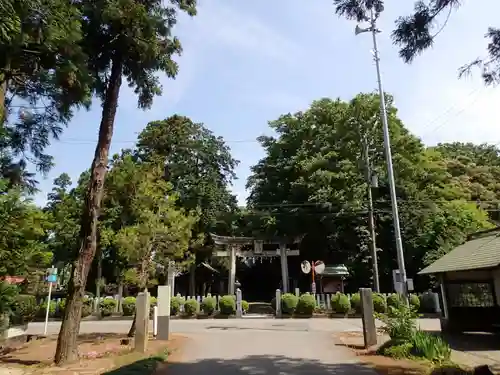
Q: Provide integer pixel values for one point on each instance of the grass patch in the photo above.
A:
(134, 365)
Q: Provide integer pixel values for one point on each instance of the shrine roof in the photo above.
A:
(228, 240)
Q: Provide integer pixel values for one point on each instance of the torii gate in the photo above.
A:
(234, 248)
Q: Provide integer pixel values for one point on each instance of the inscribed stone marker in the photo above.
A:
(369, 329)
(163, 312)
(142, 322)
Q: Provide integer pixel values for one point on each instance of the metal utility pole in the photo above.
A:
(388, 154)
(371, 221)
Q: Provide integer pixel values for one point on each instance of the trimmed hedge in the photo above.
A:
(306, 305)
(208, 305)
(128, 306)
(227, 305)
(288, 303)
(191, 307)
(341, 303)
(108, 306)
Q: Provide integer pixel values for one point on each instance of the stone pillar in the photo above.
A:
(437, 305)
(369, 329)
(142, 322)
(164, 295)
(278, 303)
(239, 307)
(232, 271)
(297, 292)
(284, 268)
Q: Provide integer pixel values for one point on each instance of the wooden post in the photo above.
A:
(369, 329)
(142, 322)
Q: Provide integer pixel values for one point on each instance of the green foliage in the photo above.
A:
(22, 231)
(108, 306)
(24, 309)
(394, 300)
(87, 307)
(379, 303)
(288, 303)
(61, 306)
(208, 305)
(175, 305)
(8, 295)
(341, 303)
(306, 305)
(396, 349)
(429, 346)
(42, 308)
(227, 305)
(191, 307)
(244, 306)
(399, 322)
(414, 302)
(355, 302)
(128, 306)
(198, 164)
(155, 231)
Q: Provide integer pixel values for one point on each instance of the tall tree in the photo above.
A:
(418, 31)
(311, 182)
(160, 232)
(23, 232)
(121, 38)
(42, 78)
(198, 164)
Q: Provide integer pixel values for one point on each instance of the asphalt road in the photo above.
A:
(245, 324)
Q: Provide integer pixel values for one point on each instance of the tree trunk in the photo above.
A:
(67, 348)
(131, 331)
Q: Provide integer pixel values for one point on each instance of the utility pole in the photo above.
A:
(371, 222)
(388, 154)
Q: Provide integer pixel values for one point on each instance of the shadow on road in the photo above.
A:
(252, 365)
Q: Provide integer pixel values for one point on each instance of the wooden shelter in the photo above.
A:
(469, 277)
(249, 247)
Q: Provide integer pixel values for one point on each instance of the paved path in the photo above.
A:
(235, 351)
(196, 326)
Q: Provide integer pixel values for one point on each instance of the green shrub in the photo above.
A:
(355, 302)
(415, 301)
(379, 303)
(108, 306)
(397, 351)
(42, 308)
(394, 300)
(244, 306)
(306, 305)
(288, 303)
(427, 303)
(341, 303)
(430, 347)
(175, 305)
(208, 305)
(227, 305)
(191, 307)
(24, 309)
(128, 306)
(399, 323)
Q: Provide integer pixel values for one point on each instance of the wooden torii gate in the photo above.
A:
(233, 248)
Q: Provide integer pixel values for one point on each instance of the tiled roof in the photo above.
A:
(480, 252)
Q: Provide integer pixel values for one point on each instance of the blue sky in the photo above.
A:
(245, 63)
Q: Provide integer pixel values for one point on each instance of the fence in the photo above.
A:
(323, 300)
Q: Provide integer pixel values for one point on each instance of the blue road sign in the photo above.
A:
(52, 278)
